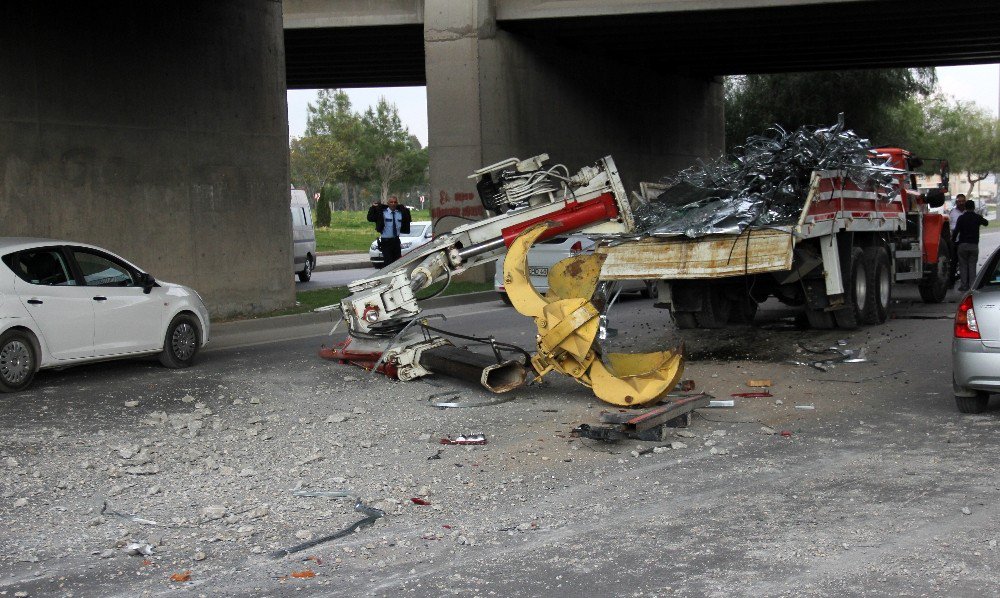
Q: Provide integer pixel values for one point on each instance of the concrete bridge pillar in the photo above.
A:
(157, 130)
(492, 94)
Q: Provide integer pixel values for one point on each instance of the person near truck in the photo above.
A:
(391, 220)
(953, 214)
(966, 238)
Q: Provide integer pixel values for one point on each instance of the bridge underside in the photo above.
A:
(844, 35)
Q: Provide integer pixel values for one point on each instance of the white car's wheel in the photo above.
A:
(18, 361)
(180, 345)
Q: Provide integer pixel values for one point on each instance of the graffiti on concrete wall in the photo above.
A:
(461, 203)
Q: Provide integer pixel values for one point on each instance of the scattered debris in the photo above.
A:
(721, 403)
(465, 439)
(752, 395)
(372, 515)
(420, 501)
(179, 577)
(648, 424)
(462, 404)
(786, 433)
(323, 493)
(436, 455)
(304, 574)
(805, 407)
(759, 383)
(138, 549)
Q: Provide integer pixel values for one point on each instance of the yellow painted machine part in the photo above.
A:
(568, 323)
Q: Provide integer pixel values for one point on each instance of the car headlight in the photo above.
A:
(374, 246)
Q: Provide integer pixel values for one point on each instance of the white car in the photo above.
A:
(64, 303)
(420, 233)
(545, 254)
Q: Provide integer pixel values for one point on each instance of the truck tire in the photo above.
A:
(935, 283)
(876, 307)
(684, 320)
(856, 293)
(743, 310)
(714, 311)
(819, 319)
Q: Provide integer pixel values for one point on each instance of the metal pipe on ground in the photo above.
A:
(474, 367)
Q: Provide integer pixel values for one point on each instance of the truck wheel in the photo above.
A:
(743, 310)
(855, 292)
(714, 310)
(684, 320)
(819, 319)
(934, 285)
(876, 308)
(976, 404)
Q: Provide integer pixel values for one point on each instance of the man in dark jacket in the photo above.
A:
(391, 221)
(966, 236)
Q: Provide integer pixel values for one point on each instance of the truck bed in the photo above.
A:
(834, 204)
(753, 252)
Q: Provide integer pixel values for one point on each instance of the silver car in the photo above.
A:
(421, 233)
(975, 349)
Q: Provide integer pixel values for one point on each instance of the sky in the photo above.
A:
(977, 83)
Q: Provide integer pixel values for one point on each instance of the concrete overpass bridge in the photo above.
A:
(159, 129)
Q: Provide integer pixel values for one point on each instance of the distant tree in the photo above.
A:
(964, 134)
(323, 207)
(365, 153)
(316, 160)
(389, 157)
(866, 97)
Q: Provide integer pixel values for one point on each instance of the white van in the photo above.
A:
(303, 236)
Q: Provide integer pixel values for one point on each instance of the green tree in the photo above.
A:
(866, 97)
(323, 207)
(964, 134)
(316, 160)
(390, 158)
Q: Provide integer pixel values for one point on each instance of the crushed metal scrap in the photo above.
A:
(761, 184)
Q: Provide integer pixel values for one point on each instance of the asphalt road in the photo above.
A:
(859, 480)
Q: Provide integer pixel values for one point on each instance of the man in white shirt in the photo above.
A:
(956, 210)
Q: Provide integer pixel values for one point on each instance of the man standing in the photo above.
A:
(966, 235)
(956, 210)
(391, 221)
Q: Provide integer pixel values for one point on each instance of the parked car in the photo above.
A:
(975, 348)
(64, 303)
(303, 236)
(545, 254)
(421, 232)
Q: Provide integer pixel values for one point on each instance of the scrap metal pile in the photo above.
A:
(763, 183)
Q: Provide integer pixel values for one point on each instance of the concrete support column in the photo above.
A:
(157, 130)
(453, 34)
(492, 94)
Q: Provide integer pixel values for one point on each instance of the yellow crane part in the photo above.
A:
(568, 323)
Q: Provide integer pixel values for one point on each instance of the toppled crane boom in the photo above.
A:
(382, 313)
